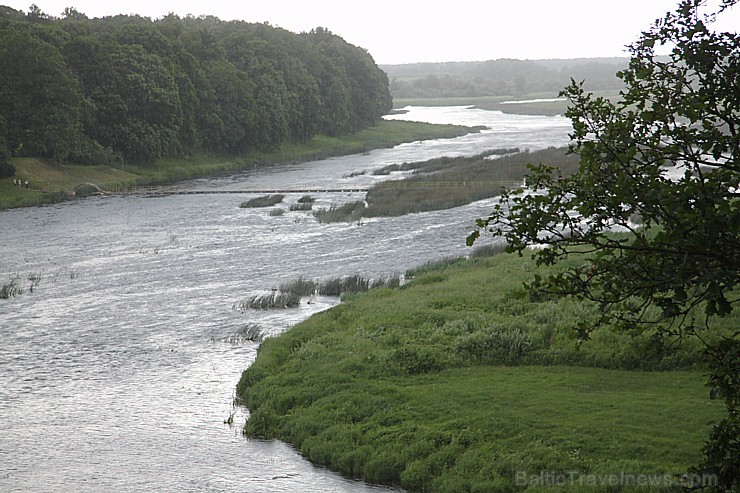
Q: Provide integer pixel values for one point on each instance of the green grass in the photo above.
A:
(51, 182)
(461, 381)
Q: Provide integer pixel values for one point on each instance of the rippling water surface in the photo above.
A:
(116, 367)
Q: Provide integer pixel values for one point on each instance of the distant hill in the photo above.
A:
(502, 77)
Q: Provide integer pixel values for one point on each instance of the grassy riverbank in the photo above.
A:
(462, 381)
(51, 182)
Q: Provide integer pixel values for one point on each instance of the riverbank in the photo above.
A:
(51, 182)
(462, 381)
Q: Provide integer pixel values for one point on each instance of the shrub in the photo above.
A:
(496, 345)
(416, 360)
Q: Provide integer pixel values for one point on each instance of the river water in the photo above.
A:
(117, 362)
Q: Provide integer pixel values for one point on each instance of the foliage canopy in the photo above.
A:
(666, 154)
(133, 89)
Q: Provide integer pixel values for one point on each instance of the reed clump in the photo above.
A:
(300, 287)
(264, 201)
(267, 301)
(349, 212)
(10, 289)
(339, 286)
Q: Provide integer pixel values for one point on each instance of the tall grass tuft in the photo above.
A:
(349, 212)
(300, 287)
(275, 299)
(490, 250)
(301, 206)
(356, 284)
(10, 289)
(250, 332)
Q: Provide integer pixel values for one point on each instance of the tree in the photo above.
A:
(667, 153)
(6, 168)
(39, 98)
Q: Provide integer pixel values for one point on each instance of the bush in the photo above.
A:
(496, 345)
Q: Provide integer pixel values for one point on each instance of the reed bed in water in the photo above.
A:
(264, 201)
(266, 301)
(447, 182)
(338, 286)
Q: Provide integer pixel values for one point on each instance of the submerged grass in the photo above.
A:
(461, 381)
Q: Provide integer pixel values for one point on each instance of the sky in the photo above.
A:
(408, 31)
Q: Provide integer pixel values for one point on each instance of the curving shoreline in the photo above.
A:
(458, 381)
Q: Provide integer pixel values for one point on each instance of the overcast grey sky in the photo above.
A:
(399, 31)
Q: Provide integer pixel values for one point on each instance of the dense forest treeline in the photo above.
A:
(132, 89)
(502, 77)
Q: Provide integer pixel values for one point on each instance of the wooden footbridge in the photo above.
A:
(399, 184)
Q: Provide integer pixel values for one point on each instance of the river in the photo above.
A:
(117, 362)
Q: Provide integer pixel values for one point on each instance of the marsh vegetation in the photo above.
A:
(446, 182)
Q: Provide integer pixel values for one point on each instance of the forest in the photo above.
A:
(129, 89)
